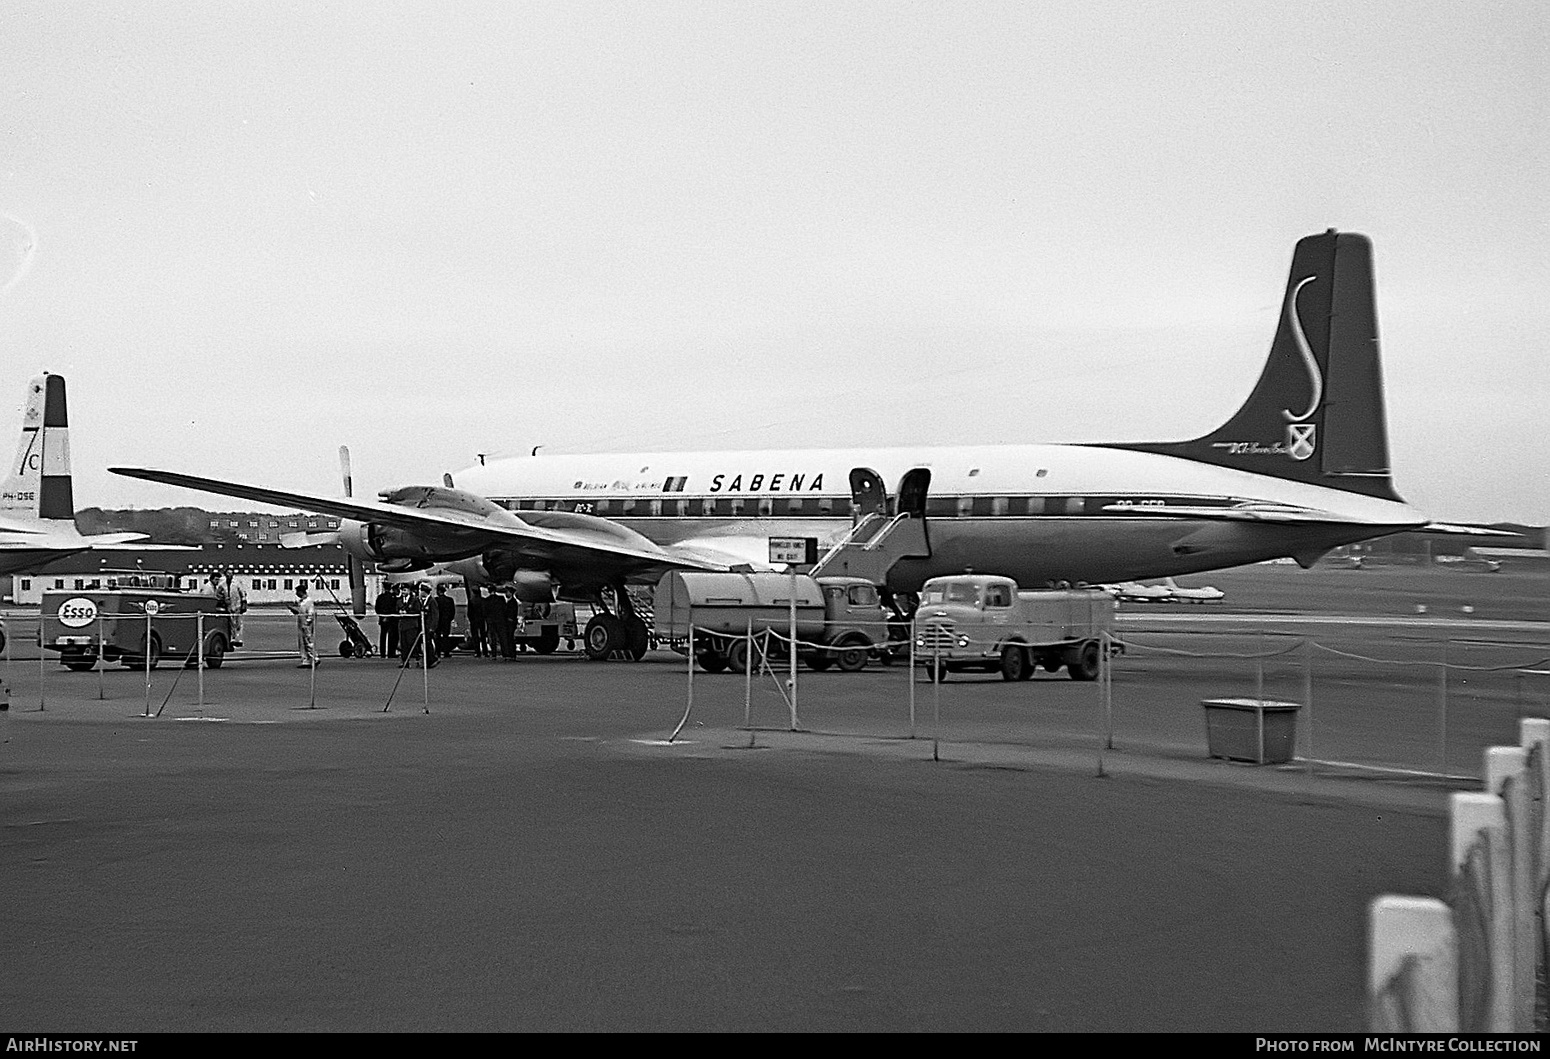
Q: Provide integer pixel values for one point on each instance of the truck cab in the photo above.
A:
(985, 622)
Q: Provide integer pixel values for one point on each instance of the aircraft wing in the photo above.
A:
(537, 544)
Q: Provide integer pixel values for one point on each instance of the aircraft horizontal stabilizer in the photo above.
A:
(1465, 530)
(1270, 513)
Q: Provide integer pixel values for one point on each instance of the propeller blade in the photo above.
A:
(353, 565)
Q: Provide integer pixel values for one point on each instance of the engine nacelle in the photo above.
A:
(499, 567)
(374, 542)
(534, 586)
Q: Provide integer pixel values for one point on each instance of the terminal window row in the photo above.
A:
(192, 584)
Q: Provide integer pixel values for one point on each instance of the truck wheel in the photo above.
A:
(936, 672)
(713, 661)
(215, 650)
(739, 658)
(818, 661)
(851, 658)
(548, 640)
(139, 661)
(77, 661)
(1085, 665)
(1014, 663)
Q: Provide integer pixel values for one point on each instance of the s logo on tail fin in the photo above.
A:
(1315, 377)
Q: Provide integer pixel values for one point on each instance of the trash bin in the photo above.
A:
(1262, 731)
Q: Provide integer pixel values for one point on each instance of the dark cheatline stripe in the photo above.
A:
(55, 497)
(54, 414)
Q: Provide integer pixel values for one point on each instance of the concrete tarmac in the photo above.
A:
(529, 856)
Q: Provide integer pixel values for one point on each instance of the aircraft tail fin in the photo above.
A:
(1316, 415)
(38, 484)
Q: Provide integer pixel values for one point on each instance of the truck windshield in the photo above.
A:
(963, 592)
(863, 596)
(934, 595)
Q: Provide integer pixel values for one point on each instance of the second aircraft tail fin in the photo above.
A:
(38, 484)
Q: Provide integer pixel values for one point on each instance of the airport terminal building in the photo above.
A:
(268, 573)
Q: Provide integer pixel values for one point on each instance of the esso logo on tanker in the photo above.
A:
(77, 612)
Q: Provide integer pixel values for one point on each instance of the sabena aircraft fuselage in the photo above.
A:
(1035, 513)
(1300, 468)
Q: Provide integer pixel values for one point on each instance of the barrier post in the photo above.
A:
(199, 658)
(41, 653)
(1259, 677)
(149, 613)
(102, 661)
(936, 697)
(1442, 711)
(748, 682)
(1479, 818)
(1107, 673)
(792, 649)
(913, 673)
(1307, 694)
(689, 706)
(425, 662)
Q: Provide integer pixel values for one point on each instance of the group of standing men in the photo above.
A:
(399, 623)
(494, 619)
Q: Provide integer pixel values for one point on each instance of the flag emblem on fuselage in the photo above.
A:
(1300, 440)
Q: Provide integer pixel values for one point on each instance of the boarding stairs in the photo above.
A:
(878, 540)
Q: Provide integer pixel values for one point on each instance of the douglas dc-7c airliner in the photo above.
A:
(1301, 468)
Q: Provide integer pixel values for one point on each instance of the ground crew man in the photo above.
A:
(446, 611)
(495, 624)
(306, 626)
(386, 606)
(237, 605)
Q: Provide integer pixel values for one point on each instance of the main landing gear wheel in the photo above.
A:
(604, 635)
(713, 661)
(548, 640)
(637, 638)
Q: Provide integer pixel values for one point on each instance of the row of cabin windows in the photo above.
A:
(817, 507)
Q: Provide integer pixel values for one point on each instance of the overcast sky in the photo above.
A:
(250, 233)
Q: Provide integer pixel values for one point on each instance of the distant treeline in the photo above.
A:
(166, 525)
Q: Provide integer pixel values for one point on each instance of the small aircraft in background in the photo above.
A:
(1169, 591)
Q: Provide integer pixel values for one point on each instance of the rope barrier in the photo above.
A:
(1128, 644)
